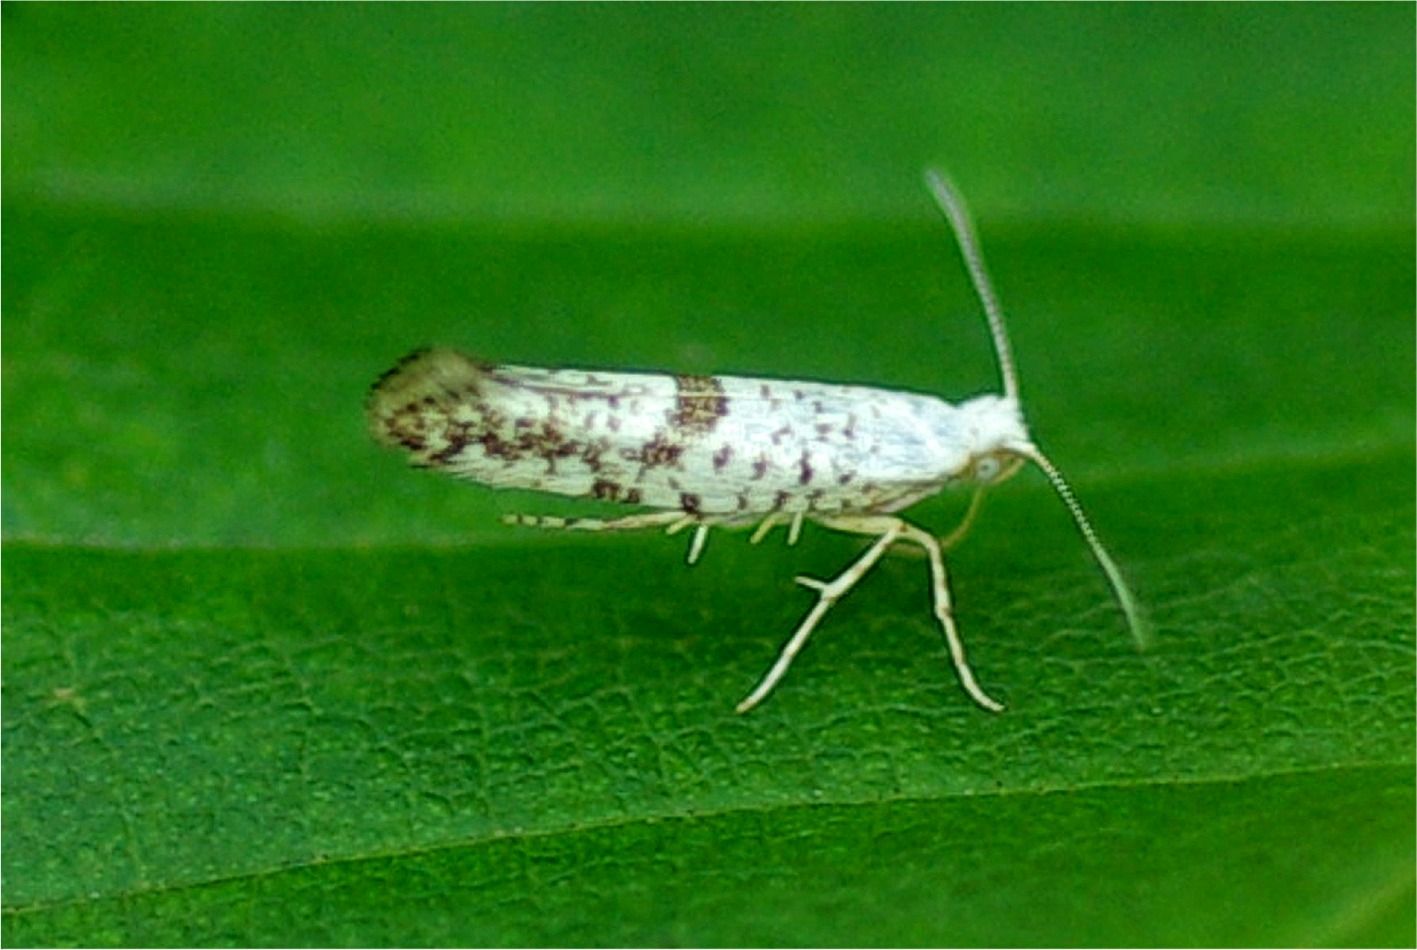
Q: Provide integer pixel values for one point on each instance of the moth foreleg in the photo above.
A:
(944, 610)
(939, 581)
(957, 535)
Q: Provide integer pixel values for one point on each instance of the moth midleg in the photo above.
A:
(971, 514)
(828, 593)
(889, 530)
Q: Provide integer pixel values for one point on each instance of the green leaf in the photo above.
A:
(262, 685)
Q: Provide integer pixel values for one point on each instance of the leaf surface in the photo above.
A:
(264, 686)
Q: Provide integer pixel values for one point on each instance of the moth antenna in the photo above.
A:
(1141, 629)
(951, 202)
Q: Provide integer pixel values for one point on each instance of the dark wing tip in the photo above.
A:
(426, 378)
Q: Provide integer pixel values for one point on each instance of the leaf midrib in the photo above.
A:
(551, 832)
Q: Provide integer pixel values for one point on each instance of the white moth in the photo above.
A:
(725, 451)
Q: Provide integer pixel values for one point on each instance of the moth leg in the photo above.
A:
(957, 535)
(761, 531)
(696, 546)
(672, 521)
(794, 528)
(828, 593)
(890, 529)
(944, 610)
(649, 519)
(701, 529)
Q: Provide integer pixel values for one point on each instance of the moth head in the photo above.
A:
(993, 430)
(997, 440)
(994, 467)
(999, 447)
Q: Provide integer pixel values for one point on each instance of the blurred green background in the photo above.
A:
(262, 685)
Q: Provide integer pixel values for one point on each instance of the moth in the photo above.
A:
(701, 452)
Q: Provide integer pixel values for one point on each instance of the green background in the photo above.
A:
(262, 685)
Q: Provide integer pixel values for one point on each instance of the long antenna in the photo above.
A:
(1141, 629)
(951, 202)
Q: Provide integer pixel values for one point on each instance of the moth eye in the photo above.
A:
(989, 468)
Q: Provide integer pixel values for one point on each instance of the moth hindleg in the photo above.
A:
(649, 519)
(794, 527)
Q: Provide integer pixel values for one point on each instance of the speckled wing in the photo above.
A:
(723, 446)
